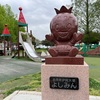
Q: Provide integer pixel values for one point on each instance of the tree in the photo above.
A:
(8, 17)
(47, 43)
(96, 7)
(87, 14)
(94, 38)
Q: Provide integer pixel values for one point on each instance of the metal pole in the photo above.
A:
(27, 28)
(18, 43)
(4, 47)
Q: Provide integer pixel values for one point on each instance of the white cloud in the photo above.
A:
(37, 13)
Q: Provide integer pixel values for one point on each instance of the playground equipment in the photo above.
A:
(5, 46)
(1, 49)
(28, 47)
(21, 23)
(82, 48)
(91, 49)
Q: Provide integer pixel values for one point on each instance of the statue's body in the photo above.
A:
(64, 33)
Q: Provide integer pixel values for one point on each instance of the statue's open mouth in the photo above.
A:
(63, 34)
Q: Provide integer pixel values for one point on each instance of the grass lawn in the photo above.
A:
(94, 67)
(33, 83)
(93, 61)
(30, 82)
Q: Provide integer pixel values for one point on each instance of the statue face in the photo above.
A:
(63, 26)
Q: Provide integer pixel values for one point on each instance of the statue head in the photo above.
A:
(64, 24)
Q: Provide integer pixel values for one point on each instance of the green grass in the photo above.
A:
(30, 82)
(94, 67)
(94, 87)
(33, 83)
(93, 61)
(41, 50)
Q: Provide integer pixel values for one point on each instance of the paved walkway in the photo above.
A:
(26, 95)
(11, 68)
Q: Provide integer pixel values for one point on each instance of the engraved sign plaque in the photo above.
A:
(68, 83)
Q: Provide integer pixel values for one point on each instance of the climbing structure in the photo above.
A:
(21, 23)
(6, 39)
(21, 20)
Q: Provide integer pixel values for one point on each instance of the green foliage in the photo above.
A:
(24, 37)
(96, 11)
(47, 43)
(22, 29)
(33, 39)
(92, 38)
(8, 17)
(87, 13)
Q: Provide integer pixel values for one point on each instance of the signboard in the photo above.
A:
(68, 83)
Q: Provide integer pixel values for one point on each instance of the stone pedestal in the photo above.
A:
(63, 70)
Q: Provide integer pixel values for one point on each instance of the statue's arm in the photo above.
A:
(76, 37)
(50, 37)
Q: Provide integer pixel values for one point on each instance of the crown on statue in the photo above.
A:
(63, 9)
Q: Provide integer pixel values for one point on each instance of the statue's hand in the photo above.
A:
(77, 36)
(49, 37)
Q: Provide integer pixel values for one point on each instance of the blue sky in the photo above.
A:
(37, 13)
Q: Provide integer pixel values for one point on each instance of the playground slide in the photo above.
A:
(29, 48)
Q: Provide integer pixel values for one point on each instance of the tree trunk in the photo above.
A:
(87, 16)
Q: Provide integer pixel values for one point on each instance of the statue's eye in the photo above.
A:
(57, 27)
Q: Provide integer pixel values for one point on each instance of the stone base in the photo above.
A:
(56, 70)
(78, 60)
